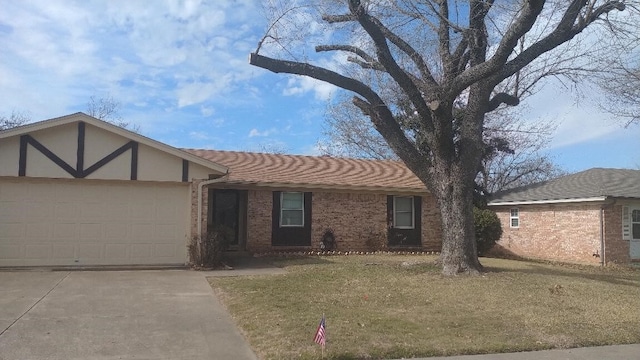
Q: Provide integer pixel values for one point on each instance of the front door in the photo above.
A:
(226, 212)
(634, 244)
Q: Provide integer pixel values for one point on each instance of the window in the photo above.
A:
(292, 209)
(635, 224)
(514, 218)
(403, 217)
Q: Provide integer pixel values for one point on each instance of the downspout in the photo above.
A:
(200, 187)
(602, 262)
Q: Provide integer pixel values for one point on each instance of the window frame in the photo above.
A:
(632, 223)
(282, 209)
(413, 213)
(515, 217)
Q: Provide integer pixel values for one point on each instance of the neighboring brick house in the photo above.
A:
(278, 202)
(592, 217)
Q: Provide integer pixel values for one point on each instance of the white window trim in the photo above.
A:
(626, 223)
(283, 209)
(413, 213)
(511, 217)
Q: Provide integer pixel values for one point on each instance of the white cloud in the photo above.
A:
(300, 85)
(257, 133)
(207, 110)
(579, 121)
(199, 135)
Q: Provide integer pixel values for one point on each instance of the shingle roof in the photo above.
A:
(313, 171)
(592, 183)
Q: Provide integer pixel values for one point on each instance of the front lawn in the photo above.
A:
(392, 306)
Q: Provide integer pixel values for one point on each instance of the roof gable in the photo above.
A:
(314, 171)
(589, 185)
(81, 117)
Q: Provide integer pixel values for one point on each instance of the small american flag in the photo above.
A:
(320, 337)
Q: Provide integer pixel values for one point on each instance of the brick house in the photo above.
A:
(591, 217)
(77, 191)
(278, 202)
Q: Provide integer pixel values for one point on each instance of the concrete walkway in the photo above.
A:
(614, 352)
(99, 315)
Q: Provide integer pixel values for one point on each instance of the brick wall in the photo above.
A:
(194, 208)
(564, 232)
(431, 225)
(616, 249)
(353, 217)
(259, 205)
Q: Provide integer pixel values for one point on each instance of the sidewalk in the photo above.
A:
(614, 352)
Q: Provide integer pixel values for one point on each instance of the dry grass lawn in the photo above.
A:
(392, 306)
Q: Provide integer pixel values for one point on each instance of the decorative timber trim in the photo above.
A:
(185, 170)
(79, 172)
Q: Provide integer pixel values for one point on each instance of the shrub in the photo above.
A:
(488, 229)
(208, 252)
(375, 239)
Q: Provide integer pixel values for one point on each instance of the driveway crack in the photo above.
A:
(34, 304)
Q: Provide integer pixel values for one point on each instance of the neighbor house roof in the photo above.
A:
(79, 116)
(277, 170)
(596, 184)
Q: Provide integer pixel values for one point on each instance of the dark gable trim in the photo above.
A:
(53, 157)
(185, 170)
(119, 151)
(80, 152)
(78, 172)
(22, 163)
(290, 236)
(134, 160)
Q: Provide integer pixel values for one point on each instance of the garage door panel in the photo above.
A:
(13, 192)
(164, 250)
(65, 211)
(87, 252)
(90, 232)
(64, 192)
(38, 251)
(141, 251)
(39, 210)
(13, 232)
(117, 251)
(12, 211)
(64, 251)
(65, 231)
(83, 222)
(35, 230)
(9, 252)
(92, 211)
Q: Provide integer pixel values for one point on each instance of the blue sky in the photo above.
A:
(180, 69)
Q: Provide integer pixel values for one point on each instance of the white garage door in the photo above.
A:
(81, 222)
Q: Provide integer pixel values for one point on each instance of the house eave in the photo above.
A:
(551, 201)
(328, 187)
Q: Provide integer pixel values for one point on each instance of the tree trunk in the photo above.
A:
(454, 194)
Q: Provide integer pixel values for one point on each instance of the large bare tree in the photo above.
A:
(12, 120)
(518, 160)
(108, 109)
(435, 122)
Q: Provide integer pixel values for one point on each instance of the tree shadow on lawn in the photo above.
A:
(284, 261)
(627, 277)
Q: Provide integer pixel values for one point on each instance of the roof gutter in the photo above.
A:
(559, 201)
(201, 185)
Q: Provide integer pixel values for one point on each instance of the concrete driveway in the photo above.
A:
(164, 314)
